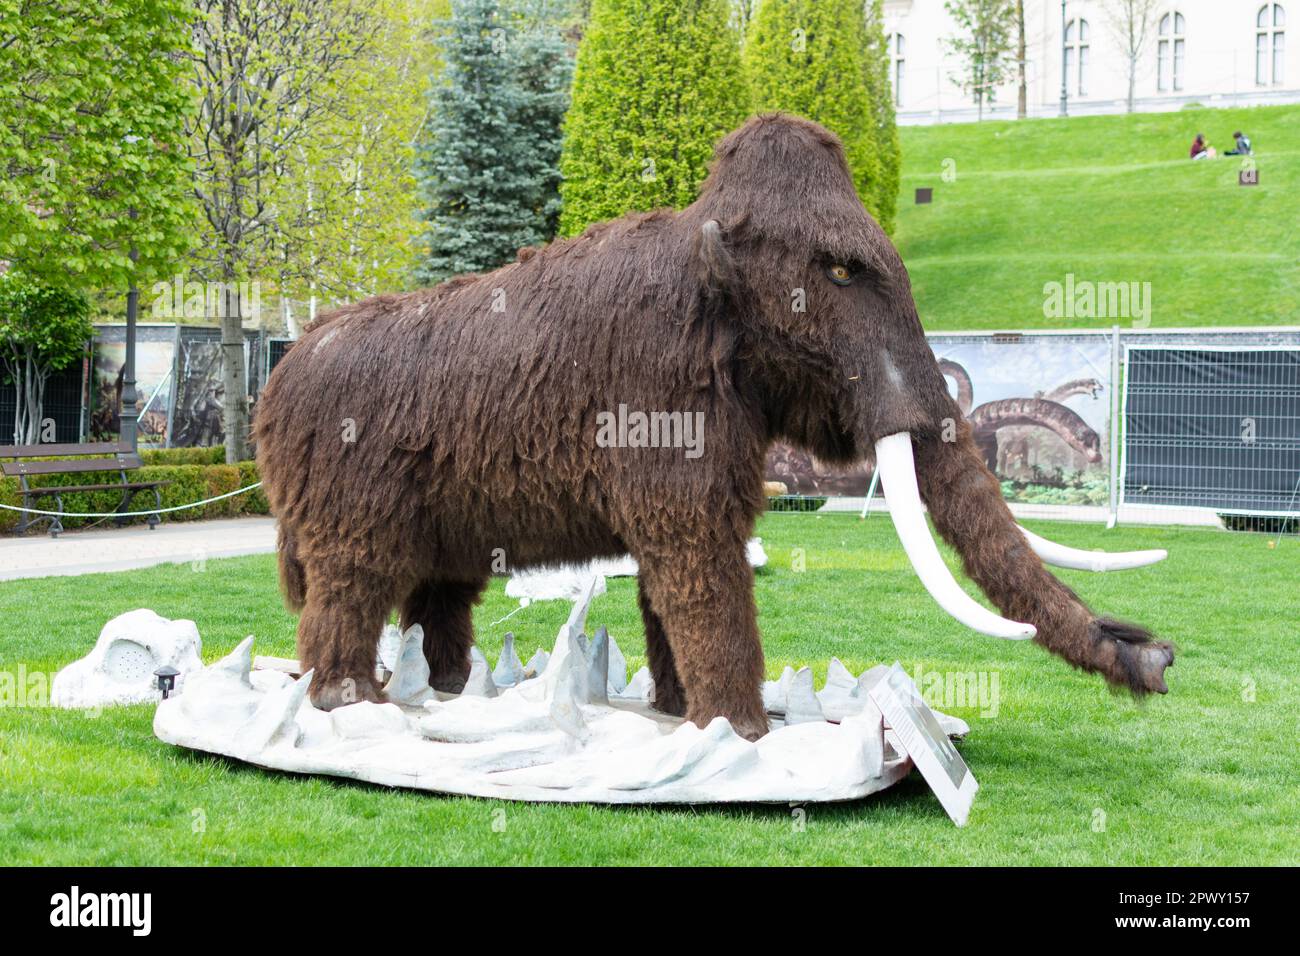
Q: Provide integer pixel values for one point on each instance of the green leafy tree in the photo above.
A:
(279, 104)
(658, 82)
(93, 163)
(42, 329)
(346, 197)
(817, 58)
(490, 165)
(986, 31)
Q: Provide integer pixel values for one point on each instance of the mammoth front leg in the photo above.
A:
(338, 633)
(704, 599)
(966, 505)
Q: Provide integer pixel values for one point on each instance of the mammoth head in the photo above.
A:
(781, 234)
(835, 350)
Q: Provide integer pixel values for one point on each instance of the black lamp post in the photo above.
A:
(1065, 80)
(128, 415)
(166, 679)
(127, 419)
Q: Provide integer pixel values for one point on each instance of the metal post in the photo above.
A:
(871, 493)
(127, 432)
(1114, 427)
(1065, 90)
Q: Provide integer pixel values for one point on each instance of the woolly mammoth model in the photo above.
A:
(616, 393)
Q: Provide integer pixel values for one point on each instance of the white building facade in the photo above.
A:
(1213, 52)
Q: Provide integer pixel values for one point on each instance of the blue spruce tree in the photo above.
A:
(489, 165)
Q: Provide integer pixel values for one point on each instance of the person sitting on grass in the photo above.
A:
(1243, 145)
(1200, 150)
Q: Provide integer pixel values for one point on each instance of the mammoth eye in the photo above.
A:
(839, 274)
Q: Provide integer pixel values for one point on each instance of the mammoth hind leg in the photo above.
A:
(338, 632)
(443, 609)
(669, 696)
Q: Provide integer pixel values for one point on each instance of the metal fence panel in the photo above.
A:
(1214, 428)
(64, 398)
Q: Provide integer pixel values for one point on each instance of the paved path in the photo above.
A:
(119, 549)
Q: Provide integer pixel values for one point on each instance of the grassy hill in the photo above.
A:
(1109, 199)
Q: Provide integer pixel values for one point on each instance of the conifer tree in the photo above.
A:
(658, 82)
(817, 58)
(489, 166)
(876, 63)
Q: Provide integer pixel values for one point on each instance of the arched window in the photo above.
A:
(1169, 52)
(897, 50)
(1076, 55)
(1270, 45)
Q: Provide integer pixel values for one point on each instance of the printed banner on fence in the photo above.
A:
(1039, 408)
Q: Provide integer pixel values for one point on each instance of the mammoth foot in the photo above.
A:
(669, 699)
(327, 695)
(1130, 658)
(751, 726)
(452, 682)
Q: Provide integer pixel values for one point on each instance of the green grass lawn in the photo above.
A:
(1109, 199)
(1206, 775)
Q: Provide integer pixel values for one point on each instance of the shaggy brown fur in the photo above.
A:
(407, 439)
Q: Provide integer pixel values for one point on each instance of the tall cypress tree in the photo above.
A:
(489, 166)
(884, 128)
(658, 82)
(812, 57)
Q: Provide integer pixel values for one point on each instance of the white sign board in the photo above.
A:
(919, 732)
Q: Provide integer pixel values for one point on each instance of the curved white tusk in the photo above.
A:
(1062, 557)
(898, 475)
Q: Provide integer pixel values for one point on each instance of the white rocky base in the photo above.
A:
(568, 727)
(120, 667)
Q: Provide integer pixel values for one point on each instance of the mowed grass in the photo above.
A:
(1070, 772)
(1109, 199)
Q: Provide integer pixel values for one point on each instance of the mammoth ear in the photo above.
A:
(714, 263)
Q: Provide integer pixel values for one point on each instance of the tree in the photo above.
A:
(818, 59)
(880, 91)
(983, 44)
(1131, 22)
(42, 329)
(657, 83)
(490, 167)
(92, 152)
(348, 199)
(275, 78)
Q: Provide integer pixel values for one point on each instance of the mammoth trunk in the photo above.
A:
(966, 505)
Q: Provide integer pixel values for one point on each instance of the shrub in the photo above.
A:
(818, 59)
(212, 455)
(884, 125)
(189, 483)
(658, 82)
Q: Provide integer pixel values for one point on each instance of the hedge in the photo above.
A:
(210, 455)
(657, 83)
(189, 483)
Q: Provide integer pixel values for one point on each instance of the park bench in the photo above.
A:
(17, 462)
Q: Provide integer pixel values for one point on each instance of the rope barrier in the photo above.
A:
(129, 514)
